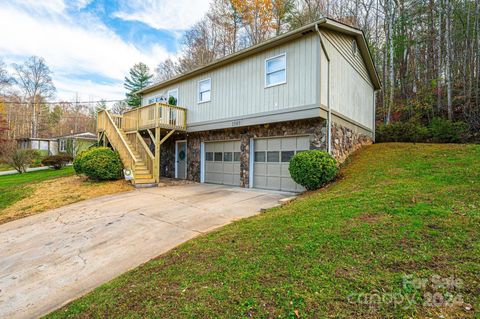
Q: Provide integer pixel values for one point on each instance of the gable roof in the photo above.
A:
(83, 135)
(326, 23)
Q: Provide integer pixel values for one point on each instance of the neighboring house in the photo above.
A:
(76, 143)
(241, 118)
(46, 146)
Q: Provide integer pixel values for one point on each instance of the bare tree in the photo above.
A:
(35, 80)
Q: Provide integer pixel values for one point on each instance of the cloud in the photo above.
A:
(164, 14)
(73, 49)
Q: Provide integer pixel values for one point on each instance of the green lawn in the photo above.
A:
(15, 187)
(397, 210)
(5, 167)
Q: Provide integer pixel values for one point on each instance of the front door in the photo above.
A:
(181, 156)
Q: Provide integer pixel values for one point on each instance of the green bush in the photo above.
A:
(402, 132)
(57, 161)
(445, 131)
(78, 162)
(313, 169)
(99, 163)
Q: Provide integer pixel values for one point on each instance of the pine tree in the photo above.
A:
(139, 78)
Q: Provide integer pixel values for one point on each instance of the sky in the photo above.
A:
(91, 44)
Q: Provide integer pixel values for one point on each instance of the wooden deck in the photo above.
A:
(122, 132)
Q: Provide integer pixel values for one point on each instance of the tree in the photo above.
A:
(35, 80)
(139, 78)
(165, 70)
(5, 79)
(119, 107)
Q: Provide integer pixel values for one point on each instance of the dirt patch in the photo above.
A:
(60, 192)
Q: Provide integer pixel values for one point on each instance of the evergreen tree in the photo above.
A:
(139, 77)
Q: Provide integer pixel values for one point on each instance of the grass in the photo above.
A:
(397, 210)
(31, 193)
(15, 187)
(5, 167)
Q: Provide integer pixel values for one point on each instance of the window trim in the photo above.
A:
(272, 58)
(198, 91)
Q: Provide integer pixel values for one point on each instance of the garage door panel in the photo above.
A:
(303, 143)
(220, 165)
(260, 145)
(260, 169)
(274, 144)
(273, 169)
(260, 181)
(274, 155)
(288, 184)
(273, 182)
(284, 172)
(289, 143)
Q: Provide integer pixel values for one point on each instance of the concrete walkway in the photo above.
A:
(51, 258)
(33, 169)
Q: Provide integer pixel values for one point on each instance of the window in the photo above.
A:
(155, 99)
(218, 156)
(276, 70)
(209, 156)
(259, 156)
(173, 97)
(63, 147)
(227, 156)
(273, 156)
(287, 155)
(236, 156)
(204, 90)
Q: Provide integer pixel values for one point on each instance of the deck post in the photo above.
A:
(156, 164)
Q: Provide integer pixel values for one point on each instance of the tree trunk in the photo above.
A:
(447, 60)
(440, 66)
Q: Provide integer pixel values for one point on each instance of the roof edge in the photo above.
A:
(324, 22)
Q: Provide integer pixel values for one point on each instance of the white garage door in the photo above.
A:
(222, 163)
(271, 159)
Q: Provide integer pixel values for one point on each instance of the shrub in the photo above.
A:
(402, 132)
(313, 169)
(78, 162)
(99, 163)
(57, 161)
(21, 159)
(445, 131)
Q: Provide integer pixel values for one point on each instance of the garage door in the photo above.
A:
(222, 163)
(271, 158)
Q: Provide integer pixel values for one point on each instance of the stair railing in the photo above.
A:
(107, 125)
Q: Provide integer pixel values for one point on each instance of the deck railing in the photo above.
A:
(155, 115)
(108, 125)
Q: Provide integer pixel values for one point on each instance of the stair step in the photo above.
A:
(144, 181)
(143, 176)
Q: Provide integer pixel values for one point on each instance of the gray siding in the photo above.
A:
(238, 89)
(351, 91)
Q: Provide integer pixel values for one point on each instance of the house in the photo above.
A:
(76, 143)
(239, 120)
(46, 146)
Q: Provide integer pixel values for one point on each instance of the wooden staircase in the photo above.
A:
(142, 175)
(123, 134)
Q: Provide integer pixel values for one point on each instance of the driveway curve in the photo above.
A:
(49, 259)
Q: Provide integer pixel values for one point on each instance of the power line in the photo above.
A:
(65, 102)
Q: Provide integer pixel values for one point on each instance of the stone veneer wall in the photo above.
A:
(167, 158)
(313, 127)
(345, 141)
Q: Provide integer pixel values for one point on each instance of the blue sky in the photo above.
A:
(91, 44)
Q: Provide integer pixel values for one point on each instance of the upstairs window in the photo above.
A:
(276, 70)
(204, 90)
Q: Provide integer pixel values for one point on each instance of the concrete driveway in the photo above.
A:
(51, 258)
